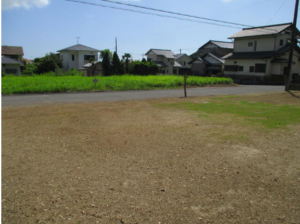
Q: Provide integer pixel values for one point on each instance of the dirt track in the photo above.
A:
(136, 162)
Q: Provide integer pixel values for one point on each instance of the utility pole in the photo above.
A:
(116, 45)
(293, 43)
(77, 39)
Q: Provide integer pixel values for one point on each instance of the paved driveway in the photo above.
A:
(35, 99)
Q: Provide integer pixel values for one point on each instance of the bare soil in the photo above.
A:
(137, 162)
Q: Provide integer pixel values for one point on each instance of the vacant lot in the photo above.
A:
(194, 160)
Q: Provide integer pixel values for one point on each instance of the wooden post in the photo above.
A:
(293, 43)
(184, 84)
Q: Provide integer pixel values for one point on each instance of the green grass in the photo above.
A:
(268, 115)
(41, 84)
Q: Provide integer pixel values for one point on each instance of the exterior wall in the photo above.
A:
(151, 56)
(169, 62)
(285, 39)
(184, 61)
(263, 44)
(78, 62)
(6, 67)
(246, 64)
(223, 51)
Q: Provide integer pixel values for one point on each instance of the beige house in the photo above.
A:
(165, 60)
(261, 54)
(183, 60)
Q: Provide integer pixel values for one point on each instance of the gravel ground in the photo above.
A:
(138, 162)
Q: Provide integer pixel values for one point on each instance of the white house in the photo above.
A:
(183, 60)
(165, 60)
(77, 56)
(261, 54)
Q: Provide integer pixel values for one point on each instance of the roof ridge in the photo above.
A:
(281, 24)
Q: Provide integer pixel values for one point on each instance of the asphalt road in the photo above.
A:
(37, 99)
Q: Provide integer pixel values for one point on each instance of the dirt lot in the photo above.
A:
(140, 162)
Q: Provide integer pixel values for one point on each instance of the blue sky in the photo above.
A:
(43, 26)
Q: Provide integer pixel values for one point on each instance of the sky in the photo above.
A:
(44, 26)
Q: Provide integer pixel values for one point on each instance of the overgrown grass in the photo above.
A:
(41, 84)
(268, 115)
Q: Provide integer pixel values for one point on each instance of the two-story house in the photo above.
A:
(75, 57)
(208, 59)
(183, 60)
(11, 60)
(261, 54)
(165, 60)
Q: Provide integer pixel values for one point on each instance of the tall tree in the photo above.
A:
(116, 64)
(48, 63)
(106, 56)
(126, 56)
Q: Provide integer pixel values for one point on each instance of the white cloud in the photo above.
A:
(226, 1)
(9, 4)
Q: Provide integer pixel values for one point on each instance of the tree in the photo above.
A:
(126, 56)
(144, 60)
(116, 65)
(30, 69)
(48, 63)
(106, 56)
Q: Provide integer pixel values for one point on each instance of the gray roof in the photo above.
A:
(160, 64)
(177, 65)
(79, 47)
(90, 64)
(261, 31)
(7, 60)
(223, 44)
(166, 53)
(259, 54)
(12, 50)
(221, 60)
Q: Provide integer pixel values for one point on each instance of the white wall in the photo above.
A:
(79, 61)
(12, 66)
(263, 44)
(246, 64)
(184, 61)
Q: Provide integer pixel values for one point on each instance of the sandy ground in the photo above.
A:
(138, 162)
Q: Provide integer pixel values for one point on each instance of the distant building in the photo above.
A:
(261, 54)
(165, 60)
(11, 60)
(75, 57)
(183, 60)
(208, 60)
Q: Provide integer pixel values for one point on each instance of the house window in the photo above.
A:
(241, 68)
(260, 68)
(149, 59)
(281, 42)
(184, 63)
(73, 57)
(89, 57)
(167, 71)
(255, 45)
(11, 71)
(250, 44)
(231, 68)
(251, 69)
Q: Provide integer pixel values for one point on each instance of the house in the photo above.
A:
(183, 60)
(13, 52)
(210, 54)
(165, 60)
(12, 59)
(75, 57)
(11, 66)
(261, 54)
(92, 68)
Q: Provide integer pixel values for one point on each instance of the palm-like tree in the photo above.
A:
(127, 56)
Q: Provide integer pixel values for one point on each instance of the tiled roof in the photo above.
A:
(261, 31)
(221, 60)
(259, 54)
(78, 47)
(177, 65)
(166, 53)
(178, 56)
(160, 64)
(223, 44)
(12, 50)
(7, 60)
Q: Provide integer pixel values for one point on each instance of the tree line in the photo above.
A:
(111, 65)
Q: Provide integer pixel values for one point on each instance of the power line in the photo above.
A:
(276, 11)
(176, 13)
(142, 12)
